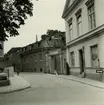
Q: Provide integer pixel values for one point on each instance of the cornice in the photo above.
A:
(90, 34)
(68, 10)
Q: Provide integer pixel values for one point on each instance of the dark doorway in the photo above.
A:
(57, 63)
(81, 60)
(41, 70)
(14, 67)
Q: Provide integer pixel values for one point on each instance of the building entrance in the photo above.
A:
(81, 61)
(56, 63)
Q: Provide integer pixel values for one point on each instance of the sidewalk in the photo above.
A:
(16, 83)
(83, 80)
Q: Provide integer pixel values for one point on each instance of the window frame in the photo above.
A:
(78, 26)
(72, 58)
(71, 31)
(70, 26)
(96, 45)
(78, 15)
(91, 16)
(40, 57)
(35, 57)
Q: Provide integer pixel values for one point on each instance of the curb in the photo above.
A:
(12, 91)
(81, 82)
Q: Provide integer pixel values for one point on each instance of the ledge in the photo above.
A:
(76, 2)
(94, 32)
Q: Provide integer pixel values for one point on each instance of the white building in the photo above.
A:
(84, 22)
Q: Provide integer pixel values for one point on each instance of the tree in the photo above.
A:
(57, 33)
(13, 14)
(44, 36)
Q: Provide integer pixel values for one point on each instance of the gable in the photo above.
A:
(66, 6)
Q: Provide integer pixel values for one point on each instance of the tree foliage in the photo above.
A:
(57, 33)
(43, 37)
(13, 14)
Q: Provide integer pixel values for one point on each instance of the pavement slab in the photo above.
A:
(17, 83)
(87, 81)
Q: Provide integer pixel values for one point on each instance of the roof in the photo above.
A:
(65, 7)
(14, 49)
(68, 9)
(48, 42)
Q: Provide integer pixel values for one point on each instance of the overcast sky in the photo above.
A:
(46, 15)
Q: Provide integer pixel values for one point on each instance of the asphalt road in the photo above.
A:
(50, 90)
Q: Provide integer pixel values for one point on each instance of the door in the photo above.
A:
(81, 60)
(57, 63)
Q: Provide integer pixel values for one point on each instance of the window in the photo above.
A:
(24, 49)
(91, 14)
(70, 31)
(79, 25)
(79, 22)
(70, 28)
(11, 55)
(94, 56)
(31, 57)
(40, 57)
(30, 47)
(72, 59)
(24, 60)
(35, 57)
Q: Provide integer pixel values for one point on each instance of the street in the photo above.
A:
(49, 89)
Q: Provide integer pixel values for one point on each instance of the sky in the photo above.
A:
(46, 15)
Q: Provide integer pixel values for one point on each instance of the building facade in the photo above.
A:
(12, 58)
(55, 54)
(33, 58)
(55, 61)
(85, 37)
